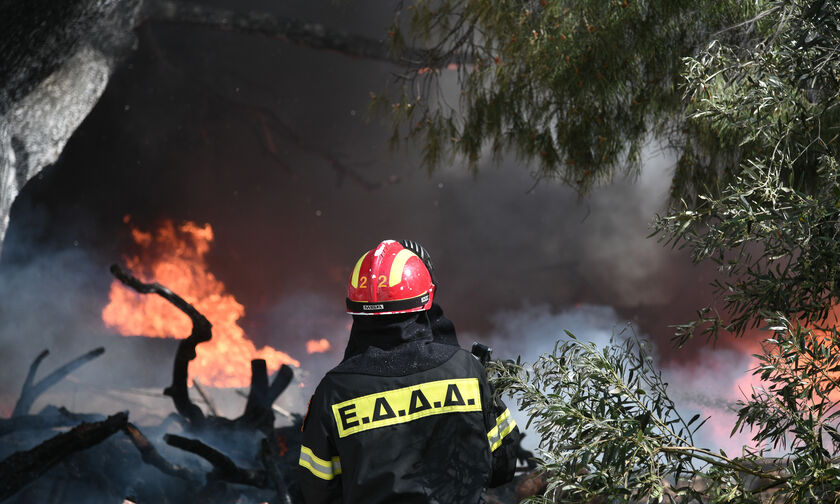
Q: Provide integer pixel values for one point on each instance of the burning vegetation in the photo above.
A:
(195, 454)
(259, 469)
(213, 349)
(176, 257)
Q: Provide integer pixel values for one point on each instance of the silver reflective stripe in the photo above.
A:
(321, 468)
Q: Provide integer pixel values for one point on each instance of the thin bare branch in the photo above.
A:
(306, 34)
(151, 456)
(31, 392)
(201, 332)
(223, 467)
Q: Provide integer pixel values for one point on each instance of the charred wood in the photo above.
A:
(206, 398)
(277, 409)
(258, 413)
(49, 418)
(270, 121)
(23, 467)
(201, 332)
(27, 384)
(281, 380)
(258, 409)
(38, 36)
(151, 456)
(29, 393)
(311, 35)
(269, 456)
(224, 468)
(133, 282)
(57, 58)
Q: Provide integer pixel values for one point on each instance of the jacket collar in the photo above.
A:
(387, 332)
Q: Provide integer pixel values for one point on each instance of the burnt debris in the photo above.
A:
(191, 456)
(87, 463)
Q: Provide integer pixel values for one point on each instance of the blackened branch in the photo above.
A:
(269, 456)
(256, 413)
(270, 122)
(341, 169)
(201, 332)
(22, 467)
(311, 35)
(282, 378)
(211, 406)
(48, 418)
(133, 282)
(29, 393)
(151, 456)
(27, 384)
(223, 467)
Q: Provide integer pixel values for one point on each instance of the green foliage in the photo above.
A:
(577, 86)
(778, 248)
(798, 408)
(608, 429)
(773, 227)
(749, 92)
(604, 420)
(749, 95)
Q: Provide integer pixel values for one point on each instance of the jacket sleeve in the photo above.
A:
(319, 463)
(503, 437)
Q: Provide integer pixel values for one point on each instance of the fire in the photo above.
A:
(175, 257)
(317, 346)
(822, 341)
(820, 348)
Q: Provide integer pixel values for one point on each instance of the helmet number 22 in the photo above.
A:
(383, 282)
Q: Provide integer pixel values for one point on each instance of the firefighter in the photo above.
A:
(408, 415)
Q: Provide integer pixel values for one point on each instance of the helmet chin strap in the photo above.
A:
(422, 253)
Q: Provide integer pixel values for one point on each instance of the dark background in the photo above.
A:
(269, 143)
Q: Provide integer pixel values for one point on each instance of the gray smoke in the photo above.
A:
(54, 302)
(267, 143)
(708, 388)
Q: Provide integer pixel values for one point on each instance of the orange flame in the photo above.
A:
(317, 346)
(175, 257)
(823, 341)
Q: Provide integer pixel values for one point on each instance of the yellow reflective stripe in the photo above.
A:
(405, 404)
(354, 278)
(398, 266)
(501, 418)
(321, 468)
(504, 424)
(511, 424)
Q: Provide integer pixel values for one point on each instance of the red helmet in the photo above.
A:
(395, 277)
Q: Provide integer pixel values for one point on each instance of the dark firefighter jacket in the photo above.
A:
(407, 417)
